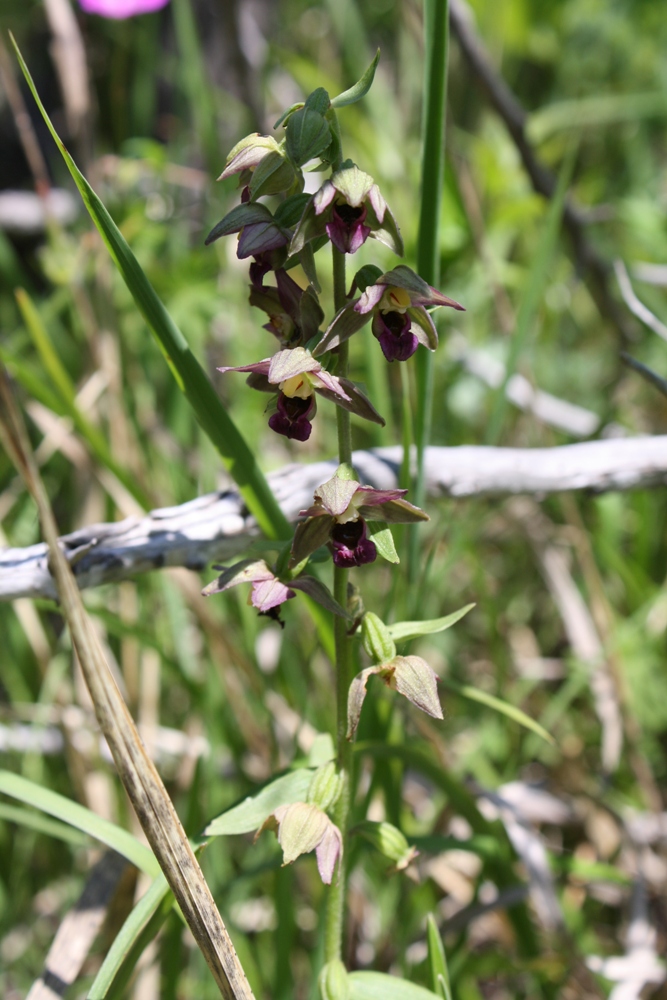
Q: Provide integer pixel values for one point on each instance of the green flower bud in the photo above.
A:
(325, 786)
(333, 981)
(389, 841)
(376, 639)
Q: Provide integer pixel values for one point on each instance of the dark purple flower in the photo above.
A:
(351, 544)
(293, 417)
(337, 518)
(295, 374)
(348, 208)
(397, 304)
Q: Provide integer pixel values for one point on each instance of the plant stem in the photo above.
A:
(436, 38)
(335, 906)
(343, 416)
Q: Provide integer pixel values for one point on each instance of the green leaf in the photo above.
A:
(189, 375)
(287, 114)
(379, 986)
(437, 959)
(249, 815)
(474, 694)
(360, 88)
(594, 112)
(380, 533)
(80, 818)
(318, 101)
(42, 824)
(140, 927)
(308, 135)
(403, 631)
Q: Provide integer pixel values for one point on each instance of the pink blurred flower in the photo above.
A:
(120, 9)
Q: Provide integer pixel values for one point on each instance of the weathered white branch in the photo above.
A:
(217, 527)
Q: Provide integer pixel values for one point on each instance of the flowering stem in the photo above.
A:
(335, 907)
(343, 416)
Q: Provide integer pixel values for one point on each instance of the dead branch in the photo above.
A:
(217, 526)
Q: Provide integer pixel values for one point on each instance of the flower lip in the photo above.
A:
(351, 544)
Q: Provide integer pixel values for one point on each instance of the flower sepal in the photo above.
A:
(411, 676)
(389, 841)
(263, 166)
(303, 827)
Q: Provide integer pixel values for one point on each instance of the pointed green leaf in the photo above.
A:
(437, 959)
(42, 824)
(80, 818)
(403, 631)
(474, 694)
(380, 533)
(360, 88)
(248, 816)
(191, 378)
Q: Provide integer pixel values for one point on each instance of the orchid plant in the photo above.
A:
(347, 519)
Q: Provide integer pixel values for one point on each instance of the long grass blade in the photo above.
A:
(143, 784)
(79, 818)
(191, 378)
(436, 44)
(535, 284)
(498, 705)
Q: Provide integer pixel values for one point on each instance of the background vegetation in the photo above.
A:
(170, 94)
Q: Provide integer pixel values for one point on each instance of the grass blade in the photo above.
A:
(474, 694)
(189, 375)
(437, 959)
(436, 42)
(79, 818)
(532, 295)
(139, 929)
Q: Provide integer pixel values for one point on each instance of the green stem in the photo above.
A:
(335, 906)
(436, 38)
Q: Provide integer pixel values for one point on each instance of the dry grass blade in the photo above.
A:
(153, 806)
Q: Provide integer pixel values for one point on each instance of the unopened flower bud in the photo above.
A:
(325, 786)
(388, 840)
(333, 981)
(376, 639)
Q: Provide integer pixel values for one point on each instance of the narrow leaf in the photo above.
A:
(140, 927)
(437, 959)
(403, 631)
(191, 378)
(79, 818)
(474, 694)
(42, 824)
(360, 88)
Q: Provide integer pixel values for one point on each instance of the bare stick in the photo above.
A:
(217, 526)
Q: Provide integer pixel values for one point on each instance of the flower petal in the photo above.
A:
(247, 153)
(301, 827)
(412, 677)
(353, 184)
(287, 364)
(355, 698)
(269, 594)
(323, 198)
(246, 571)
(346, 395)
(394, 512)
(423, 327)
(310, 535)
(369, 298)
(259, 367)
(343, 326)
(328, 852)
(336, 494)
